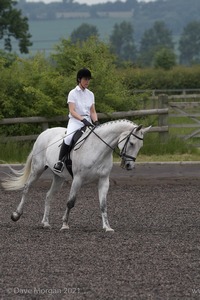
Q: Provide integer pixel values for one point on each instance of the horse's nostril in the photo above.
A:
(130, 166)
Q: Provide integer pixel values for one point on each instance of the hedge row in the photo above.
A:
(177, 78)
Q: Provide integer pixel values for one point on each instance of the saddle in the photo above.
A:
(75, 138)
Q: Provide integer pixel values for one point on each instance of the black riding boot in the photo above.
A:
(64, 151)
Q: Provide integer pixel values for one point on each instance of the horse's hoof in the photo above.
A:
(46, 226)
(64, 227)
(15, 216)
(109, 230)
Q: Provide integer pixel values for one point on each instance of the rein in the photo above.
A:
(122, 154)
(83, 140)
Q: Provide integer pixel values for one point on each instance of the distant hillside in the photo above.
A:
(175, 13)
(49, 22)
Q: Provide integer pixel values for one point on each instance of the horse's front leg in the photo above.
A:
(75, 187)
(103, 187)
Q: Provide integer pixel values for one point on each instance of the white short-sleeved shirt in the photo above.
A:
(83, 100)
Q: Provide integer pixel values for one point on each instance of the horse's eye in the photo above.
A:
(131, 143)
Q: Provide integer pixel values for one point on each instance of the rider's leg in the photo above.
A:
(72, 127)
(64, 150)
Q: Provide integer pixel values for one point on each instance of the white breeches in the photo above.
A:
(72, 127)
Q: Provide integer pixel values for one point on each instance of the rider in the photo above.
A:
(82, 112)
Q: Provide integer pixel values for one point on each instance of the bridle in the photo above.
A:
(123, 154)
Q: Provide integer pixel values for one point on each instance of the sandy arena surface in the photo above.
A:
(154, 252)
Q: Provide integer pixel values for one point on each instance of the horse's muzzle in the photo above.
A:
(127, 164)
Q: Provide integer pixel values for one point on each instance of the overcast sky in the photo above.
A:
(84, 1)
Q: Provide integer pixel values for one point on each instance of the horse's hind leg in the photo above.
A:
(103, 187)
(75, 187)
(56, 184)
(33, 177)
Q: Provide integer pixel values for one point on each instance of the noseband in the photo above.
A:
(123, 154)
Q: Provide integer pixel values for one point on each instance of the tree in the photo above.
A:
(189, 44)
(13, 25)
(83, 32)
(30, 87)
(153, 40)
(165, 59)
(122, 41)
(110, 92)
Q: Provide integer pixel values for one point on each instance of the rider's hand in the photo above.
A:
(86, 122)
(96, 123)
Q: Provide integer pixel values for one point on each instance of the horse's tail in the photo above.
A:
(18, 180)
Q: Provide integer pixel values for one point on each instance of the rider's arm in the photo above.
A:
(93, 113)
(73, 112)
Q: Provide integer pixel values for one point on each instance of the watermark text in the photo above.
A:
(43, 291)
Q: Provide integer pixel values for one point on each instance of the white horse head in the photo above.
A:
(130, 143)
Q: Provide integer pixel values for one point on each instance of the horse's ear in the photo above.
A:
(139, 127)
(146, 129)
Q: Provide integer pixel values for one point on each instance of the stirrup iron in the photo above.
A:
(59, 166)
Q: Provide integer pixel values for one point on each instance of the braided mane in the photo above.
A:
(118, 121)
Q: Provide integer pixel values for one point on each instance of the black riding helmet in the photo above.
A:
(83, 73)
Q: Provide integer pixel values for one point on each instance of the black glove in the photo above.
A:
(96, 123)
(86, 122)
